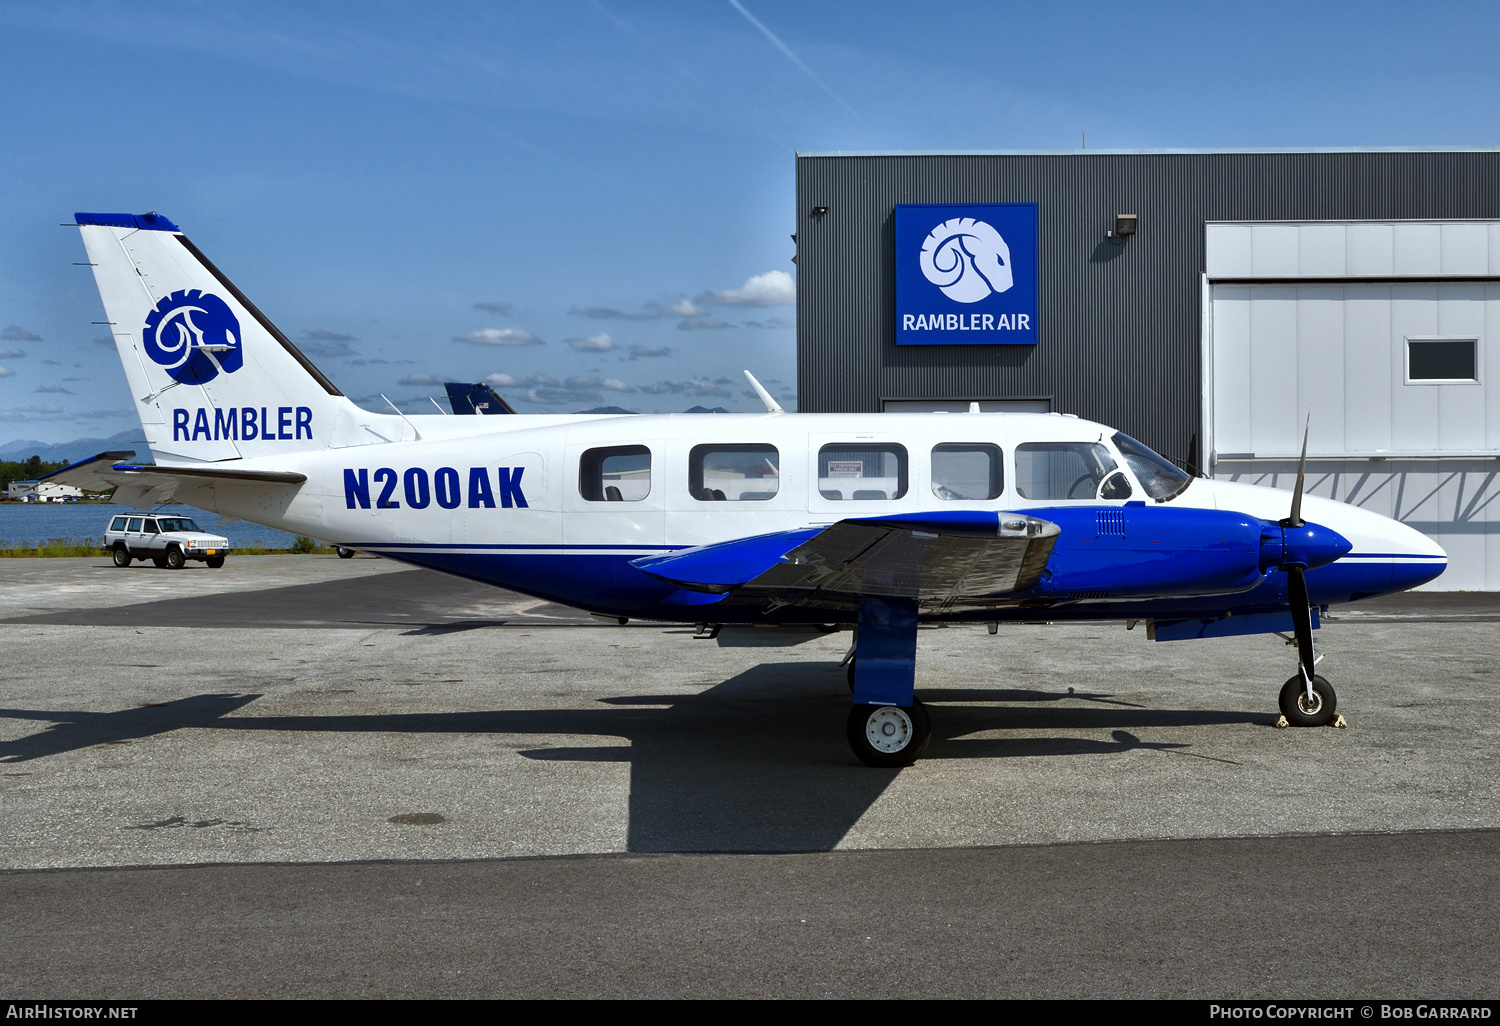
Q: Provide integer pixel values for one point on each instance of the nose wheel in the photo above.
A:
(1304, 709)
(889, 736)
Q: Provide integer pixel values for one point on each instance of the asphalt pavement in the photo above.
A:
(301, 775)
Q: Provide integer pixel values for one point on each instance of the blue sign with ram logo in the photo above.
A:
(966, 274)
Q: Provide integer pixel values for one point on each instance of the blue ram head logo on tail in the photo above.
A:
(194, 335)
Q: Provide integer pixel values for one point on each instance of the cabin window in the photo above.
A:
(117, 524)
(967, 470)
(621, 473)
(1160, 478)
(151, 527)
(855, 473)
(135, 523)
(1062, 470)
(734, 473)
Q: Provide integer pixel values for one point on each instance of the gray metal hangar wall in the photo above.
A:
(1120, 332)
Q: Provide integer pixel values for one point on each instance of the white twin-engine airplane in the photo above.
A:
(877, 521)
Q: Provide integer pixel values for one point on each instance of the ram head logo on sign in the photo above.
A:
(966, 274)
(967, 259)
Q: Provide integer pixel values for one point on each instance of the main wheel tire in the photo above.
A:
(121, 556)
(214, 562)
(175, 560)
(889, 736)
(1300, 712)
(344, 553)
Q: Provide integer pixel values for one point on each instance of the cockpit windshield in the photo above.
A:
(177, 524)
(1161, 479)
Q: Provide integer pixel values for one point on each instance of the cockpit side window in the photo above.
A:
(620, 473)
(967, 471)
(1062, 470)
(1160, 478)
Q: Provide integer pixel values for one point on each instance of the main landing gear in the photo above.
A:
(888, 727)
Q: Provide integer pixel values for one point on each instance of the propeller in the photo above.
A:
(1296, 582)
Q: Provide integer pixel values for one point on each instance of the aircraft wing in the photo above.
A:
(144, 486)
(943, 560)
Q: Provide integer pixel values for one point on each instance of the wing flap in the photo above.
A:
(939, 559)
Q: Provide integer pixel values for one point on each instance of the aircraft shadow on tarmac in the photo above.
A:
(756, 763)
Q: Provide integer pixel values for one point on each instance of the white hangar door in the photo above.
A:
(1396, 379)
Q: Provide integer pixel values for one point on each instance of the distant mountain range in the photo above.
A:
(77, 449)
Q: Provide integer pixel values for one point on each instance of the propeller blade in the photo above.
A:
(1296, 593)
(1295, 520)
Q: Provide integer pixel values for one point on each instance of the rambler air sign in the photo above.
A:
(966, 274)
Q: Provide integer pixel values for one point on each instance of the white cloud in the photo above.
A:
(599, 343)
(16, 333)
(684, 308)
(501, 380)
(495, 308)
(420, 379)
(615, 385)
(772, 322)
(15, 354)
(774, 288)
(702, 323)
(500, 337)
(6, 372)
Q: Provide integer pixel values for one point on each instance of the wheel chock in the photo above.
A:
(1280, 722)
(1339, 721)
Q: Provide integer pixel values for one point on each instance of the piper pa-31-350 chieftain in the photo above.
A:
(879, 521)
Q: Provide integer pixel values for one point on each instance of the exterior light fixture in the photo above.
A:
(819, 211)
(1125, 225)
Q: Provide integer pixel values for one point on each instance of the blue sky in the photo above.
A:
(592, 201)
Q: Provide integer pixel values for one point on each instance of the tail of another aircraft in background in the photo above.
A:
(212, 378)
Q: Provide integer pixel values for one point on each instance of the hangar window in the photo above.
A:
(1441, 359)
(1062, 470)
(734, 473)
(854, 473)
(621, 473)
(967, 470)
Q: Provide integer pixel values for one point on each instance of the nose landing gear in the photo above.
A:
(1308, 707)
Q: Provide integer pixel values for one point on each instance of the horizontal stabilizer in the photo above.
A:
(145, 486)
(86, 474)
(939, 559)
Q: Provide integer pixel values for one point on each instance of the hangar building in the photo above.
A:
(1203, 302)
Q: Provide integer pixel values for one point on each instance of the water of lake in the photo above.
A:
(24, 523)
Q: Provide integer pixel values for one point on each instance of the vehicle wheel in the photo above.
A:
(1299, 712)
(160, 562)
(889, 736)
(174, 560)
(827, 628)
(344, 553)
(214, 562)
(121, 556)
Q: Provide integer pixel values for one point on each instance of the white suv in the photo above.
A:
(166, 541)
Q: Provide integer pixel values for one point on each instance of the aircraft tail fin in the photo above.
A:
(213, 379)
